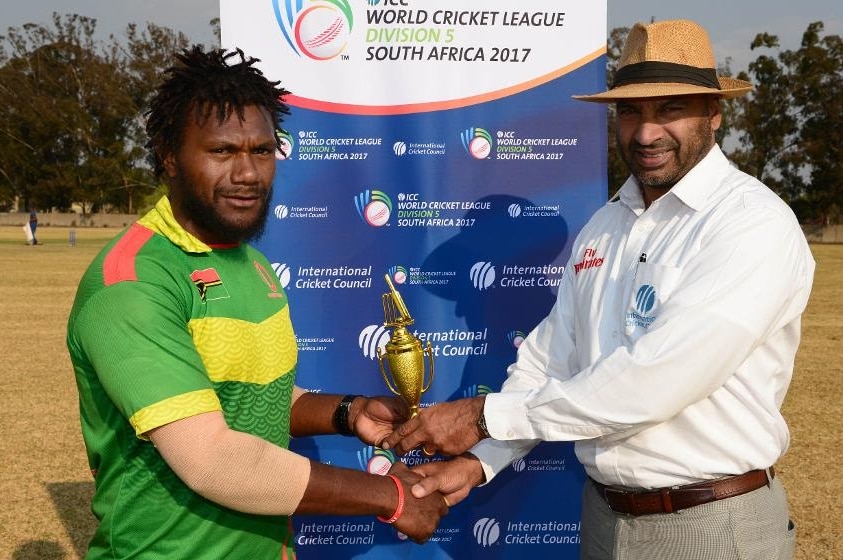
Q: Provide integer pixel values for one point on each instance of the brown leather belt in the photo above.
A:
(668, 500)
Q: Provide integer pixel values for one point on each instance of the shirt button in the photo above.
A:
(614, 334)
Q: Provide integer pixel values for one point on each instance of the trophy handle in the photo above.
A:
(428, 351)
(381, 358)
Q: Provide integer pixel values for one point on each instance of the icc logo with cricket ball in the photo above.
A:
(374, 207)
(286, 145)
(375, 460)
(398, 274)
(319, 31)
(477, 142)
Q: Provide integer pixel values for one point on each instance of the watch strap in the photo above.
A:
(340, 418)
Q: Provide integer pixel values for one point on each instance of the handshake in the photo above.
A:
(428, 490)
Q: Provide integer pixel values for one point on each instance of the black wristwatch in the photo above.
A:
(340, 418)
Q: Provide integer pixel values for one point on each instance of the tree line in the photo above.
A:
(72, 130)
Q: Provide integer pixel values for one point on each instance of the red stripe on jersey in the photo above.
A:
(119, 263)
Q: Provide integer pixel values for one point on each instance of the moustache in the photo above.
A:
(658, 145)
(243, 192)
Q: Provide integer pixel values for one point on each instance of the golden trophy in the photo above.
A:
(404, 353)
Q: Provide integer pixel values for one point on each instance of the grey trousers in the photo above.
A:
(753, 526)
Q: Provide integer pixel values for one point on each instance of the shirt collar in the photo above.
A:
(694, 189)
(161, 220)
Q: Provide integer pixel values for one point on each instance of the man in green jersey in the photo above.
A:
(185, 357)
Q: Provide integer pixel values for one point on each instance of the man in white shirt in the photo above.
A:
(671, 345)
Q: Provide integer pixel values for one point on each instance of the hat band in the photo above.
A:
(661, 72)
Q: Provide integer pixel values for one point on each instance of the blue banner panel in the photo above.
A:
(438, 144)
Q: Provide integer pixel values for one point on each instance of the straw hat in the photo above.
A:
(667, 58)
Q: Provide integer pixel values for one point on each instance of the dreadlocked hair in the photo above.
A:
(201, 84)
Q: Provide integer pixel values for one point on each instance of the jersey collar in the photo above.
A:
(161, 220)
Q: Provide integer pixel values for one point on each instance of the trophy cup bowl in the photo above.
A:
(404, 353)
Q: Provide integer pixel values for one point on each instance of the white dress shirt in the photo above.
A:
(671, 345)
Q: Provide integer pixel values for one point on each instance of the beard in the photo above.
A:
(231, 228)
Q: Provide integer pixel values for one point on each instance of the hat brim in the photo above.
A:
(729, 88)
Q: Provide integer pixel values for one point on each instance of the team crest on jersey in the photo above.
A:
(209, 284)
(270, 280)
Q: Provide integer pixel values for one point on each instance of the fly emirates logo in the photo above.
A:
(589, 260)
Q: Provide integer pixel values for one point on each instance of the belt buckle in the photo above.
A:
(633, 503)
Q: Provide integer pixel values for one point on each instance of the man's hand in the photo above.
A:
(372, 419)
(449, 428)
(422, 513)
(454, 479)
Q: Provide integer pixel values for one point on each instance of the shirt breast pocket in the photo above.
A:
(651, 287)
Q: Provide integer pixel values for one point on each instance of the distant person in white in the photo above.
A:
(671, 345)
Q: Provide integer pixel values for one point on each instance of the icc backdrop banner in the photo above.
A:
(435, 141)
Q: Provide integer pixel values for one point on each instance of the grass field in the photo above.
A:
(46, 486)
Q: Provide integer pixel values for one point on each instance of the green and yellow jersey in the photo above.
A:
(165, 327)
